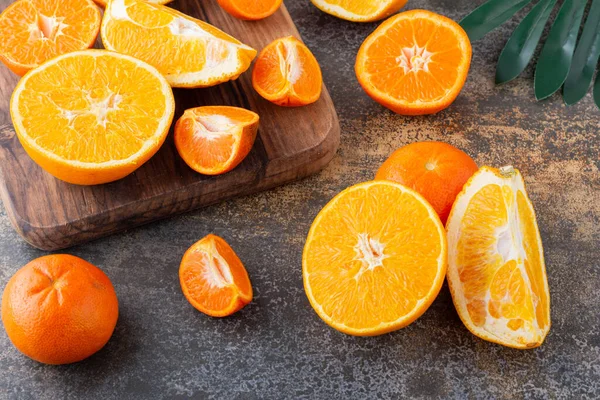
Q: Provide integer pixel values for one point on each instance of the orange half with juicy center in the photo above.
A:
(374, 259)
(496, 269)
(415, 63)
(213, 278)
(34, 31)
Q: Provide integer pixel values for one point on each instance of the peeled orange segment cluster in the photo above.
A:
(103, 3)
(287, 73)
(92, 116)
(415, 63)
(34, 31)
(496, 269)
(360, 10)
(374, 259)
(213, 278)
(215, 139)
(187, 51)
(250, 9)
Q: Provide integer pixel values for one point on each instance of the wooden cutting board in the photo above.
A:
(291, 144)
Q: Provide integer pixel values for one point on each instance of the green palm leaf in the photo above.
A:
(490, 16)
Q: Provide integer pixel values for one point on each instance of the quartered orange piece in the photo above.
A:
(103, 3)
(496, 269)
(213, 278)
(251, 10)
(360, 10)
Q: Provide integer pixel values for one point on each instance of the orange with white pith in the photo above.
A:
(496, 269)
(361, 10)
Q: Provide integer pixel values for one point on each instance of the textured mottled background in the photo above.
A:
(277, 347)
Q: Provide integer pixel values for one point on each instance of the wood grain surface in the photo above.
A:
(291, 144)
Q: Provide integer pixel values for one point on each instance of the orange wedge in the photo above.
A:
(360, 10)
(286, 73)
(103, 3)
(213, 279)
(496, 269)
(415, 63)
(83, 122)
(34, 31)
(189, 52)
(374, 259)
(251, 10)
(215, 139)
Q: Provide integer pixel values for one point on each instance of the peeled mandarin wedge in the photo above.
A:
(374, 259)
(286, 73)
(360, 10)
(103, 3)
(250, 9)
(213, 278)
(189, 52)
(215, 139)
(496, 269)
(34, 31)
(92, 116)
(415, 62)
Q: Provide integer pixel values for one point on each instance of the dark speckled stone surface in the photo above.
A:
(277, 347)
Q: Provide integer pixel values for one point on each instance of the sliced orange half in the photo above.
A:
(374, 259)
(34, 31)
(213, 278)
(189, 52)
(92, 116)
(360, 10)
(251, 10)
(215, 139)
(496, 269)
(415, 62)
(287, 73)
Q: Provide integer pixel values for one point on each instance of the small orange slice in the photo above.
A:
(251, 10)
(187, 51)
(213, 140)
(103, 3)
(374, 259)
(360, 10)
(213, 279)
(34, 31)
(496, 269)
(287, 73)
(415, 63)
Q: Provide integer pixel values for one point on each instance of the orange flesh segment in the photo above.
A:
(255, 7)
(360, 7)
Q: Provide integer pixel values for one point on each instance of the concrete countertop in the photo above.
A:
(277, 347)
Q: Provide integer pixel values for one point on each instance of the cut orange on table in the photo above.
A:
(436, 170)
(213, 278)
(374, 259)
(496, 269)
(103, 3)
(92, 116)
(34, 31)
(286, 73)
(250, 9)
(213, 140)
(360, 10)
(415, 62)
(189, 52)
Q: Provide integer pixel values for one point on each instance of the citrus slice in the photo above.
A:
(213, 279)
(215, 139)
(374, 259)
(34, 31)
(286, 73)
(189, 52)
(496, 269)
(251, 10)
(360, 10)
(415, 62)
(83, 122)
(103, 3)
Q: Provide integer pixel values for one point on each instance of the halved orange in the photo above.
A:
(213, 278)
(187, 51)
(287, 73)
(92, 116)
(251, 10)
(374, 259)
(34, 31)
(415, 63)
(103, 3)
(360, 10)
(496, 269)
(213, 140)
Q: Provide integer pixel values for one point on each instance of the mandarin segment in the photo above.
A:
(360, 10)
